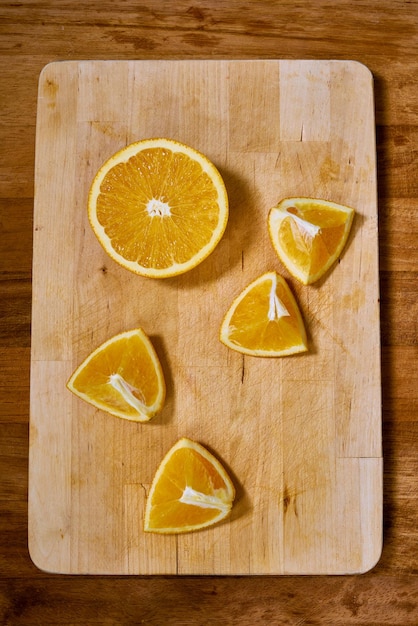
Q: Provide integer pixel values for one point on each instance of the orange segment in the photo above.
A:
(123, 377)
(158, 207)
(190, 490)
(309, 235)
(264, 320)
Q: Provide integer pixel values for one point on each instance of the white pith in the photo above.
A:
(310, 229)
(276, 307)
(158, 208)
(195, 498)
(126, 391)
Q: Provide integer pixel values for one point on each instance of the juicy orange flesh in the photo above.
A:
(309, 252)
(168, 177)
(185, 468)
(131, 360)
(251, 327)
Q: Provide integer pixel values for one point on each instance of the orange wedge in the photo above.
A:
(309, 235)
(158, 207)
(123, 377)
(190, 490)
(264, 320)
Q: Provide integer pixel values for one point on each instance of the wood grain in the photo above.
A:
(384, 37)
(304, 451)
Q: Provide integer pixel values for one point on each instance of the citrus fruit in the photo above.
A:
(123, 377)
(190, 490)
(265, 320)
(158, 207)
(309, 235)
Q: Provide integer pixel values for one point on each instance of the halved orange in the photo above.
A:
(158, 207)
(309, 235)
(265, 320)
(190, 490)
(123, 376)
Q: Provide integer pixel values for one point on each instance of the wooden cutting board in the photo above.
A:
(301, 435)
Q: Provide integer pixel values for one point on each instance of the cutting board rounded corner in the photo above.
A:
(373, 560)
(362, 68)
(39, 560)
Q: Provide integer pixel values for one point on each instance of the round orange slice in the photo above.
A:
(158, 207)
(123, 377)
(190, 490)
(309, 235)
(264, 320)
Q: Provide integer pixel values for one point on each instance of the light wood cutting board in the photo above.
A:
(301, 435)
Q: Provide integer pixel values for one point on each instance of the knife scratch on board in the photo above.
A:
(287, 499)
(302, 131)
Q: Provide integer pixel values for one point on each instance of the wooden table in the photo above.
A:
(384, 36)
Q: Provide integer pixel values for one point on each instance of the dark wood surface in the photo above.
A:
(382, 34)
